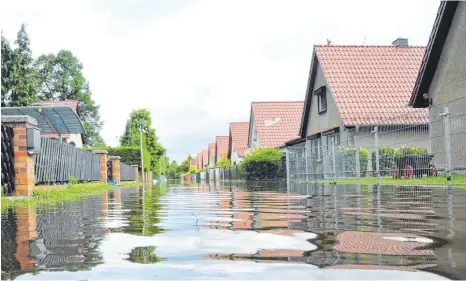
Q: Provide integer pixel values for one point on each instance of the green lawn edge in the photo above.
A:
(71, 192)
(457, 181)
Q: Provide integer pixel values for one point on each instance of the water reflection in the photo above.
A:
(261, 230)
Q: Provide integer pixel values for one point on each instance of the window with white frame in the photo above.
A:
(321, 95)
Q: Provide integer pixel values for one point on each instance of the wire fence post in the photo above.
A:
(358, 164)
(333, 159)
(306, 156)
(377, 158)
(287, 152)
(446, 120)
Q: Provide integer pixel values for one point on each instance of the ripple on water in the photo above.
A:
(238, 232)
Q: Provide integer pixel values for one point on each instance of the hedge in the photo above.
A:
(130, 155)
(264, 163)
(387, 157)
(350, 159)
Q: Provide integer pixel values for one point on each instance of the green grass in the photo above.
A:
(457, 180)
(72, 192)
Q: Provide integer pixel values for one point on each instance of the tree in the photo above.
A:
(172, 172)
(18, 74)
(184, 167)
(141, 118)
(60, 77)
(7, 64)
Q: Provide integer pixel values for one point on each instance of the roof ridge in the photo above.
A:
(379, 46)
(277, 101)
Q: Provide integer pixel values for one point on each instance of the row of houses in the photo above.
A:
(352, 89)
(270, 125)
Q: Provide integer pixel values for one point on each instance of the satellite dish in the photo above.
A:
(272, 121)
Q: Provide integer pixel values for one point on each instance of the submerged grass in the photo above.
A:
(72, 192)
(457, 180)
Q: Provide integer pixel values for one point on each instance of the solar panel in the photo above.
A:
(50, 119)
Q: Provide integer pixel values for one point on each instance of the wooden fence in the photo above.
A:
(127, 172)
(59, 161)
(8, 154)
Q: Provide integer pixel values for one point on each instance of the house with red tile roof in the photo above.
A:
(77, 140)
(352, 89)
(212, 154)
(273, 123)
(238, 139)
(221, 145)
(441, 80)
(205, 158)
(199, 160)
(193, 161)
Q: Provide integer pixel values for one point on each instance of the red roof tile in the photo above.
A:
(71, 103)
(239, 132)
(277, 122)
(240, 151)
(205, 157)
(223, 142)
(199, 160)
(212, 154)
(377, 243)
(373, 84)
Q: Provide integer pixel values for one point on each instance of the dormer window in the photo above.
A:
(321, 95)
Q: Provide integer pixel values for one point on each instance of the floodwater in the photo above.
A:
(234, 231)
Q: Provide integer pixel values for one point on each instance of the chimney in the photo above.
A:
(400, 42)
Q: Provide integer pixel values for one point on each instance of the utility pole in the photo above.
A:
(142, 156)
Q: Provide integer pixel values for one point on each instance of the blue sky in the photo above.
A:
(197, 65)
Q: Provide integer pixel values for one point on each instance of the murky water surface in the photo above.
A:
(234, 231)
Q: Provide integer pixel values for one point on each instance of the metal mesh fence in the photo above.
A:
(389, 151)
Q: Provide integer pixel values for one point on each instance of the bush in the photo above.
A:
(386, 161)
(72, 180)
(224, 163)
(264, 163)
(388, 156)
(363, 159)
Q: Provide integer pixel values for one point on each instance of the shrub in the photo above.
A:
(192, 170)
(224, 163)
(389, 155)
(264, 163)
(386, 160)
(72, 180)
(363, 159)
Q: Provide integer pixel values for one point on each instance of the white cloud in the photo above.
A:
(197, 65)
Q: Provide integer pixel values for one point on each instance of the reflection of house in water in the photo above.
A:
(398, 228)
(66, 238)
(18, 228)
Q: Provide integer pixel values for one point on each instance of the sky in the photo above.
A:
(198, 65)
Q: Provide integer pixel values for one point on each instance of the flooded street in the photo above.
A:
(234, 231)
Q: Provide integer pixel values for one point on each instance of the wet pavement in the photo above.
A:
(240, 231)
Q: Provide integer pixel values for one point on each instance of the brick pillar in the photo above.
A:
(26, 230)
(103, 164)
(136, 172)
(115, 168)
(23, 161)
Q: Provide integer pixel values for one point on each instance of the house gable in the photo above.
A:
(432, 57)
(317, 121)
(253, 138)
